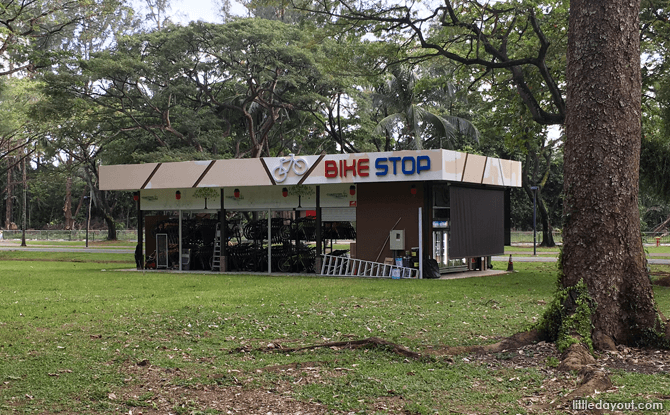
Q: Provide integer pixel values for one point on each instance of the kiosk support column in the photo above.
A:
(139, 251)
(179, 240)
(223, 221)
(420, 244)
(269, 242)
(317, 261)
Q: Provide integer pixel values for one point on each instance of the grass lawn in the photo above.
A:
(79, 336)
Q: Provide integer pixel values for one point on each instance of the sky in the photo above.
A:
(185, 11)
(188, 10)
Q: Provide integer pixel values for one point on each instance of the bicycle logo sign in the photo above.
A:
(298, 165)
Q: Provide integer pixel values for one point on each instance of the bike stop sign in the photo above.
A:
(354, 168)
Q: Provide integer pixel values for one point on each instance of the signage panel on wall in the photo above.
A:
(204, 198)
(297, 197)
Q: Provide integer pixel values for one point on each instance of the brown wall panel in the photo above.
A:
(477, 222)
(380, 205)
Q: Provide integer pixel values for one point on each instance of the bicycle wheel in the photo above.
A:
(285, 264)
(299, 166)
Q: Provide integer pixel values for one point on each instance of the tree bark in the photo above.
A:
(602, 240)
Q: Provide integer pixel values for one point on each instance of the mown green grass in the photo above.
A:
(67, 329)
(28, 255)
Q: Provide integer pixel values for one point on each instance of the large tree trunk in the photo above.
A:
(67, 208)
(24, 204)
(602, 240)
(100, 201)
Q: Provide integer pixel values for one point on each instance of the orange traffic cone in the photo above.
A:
(510, 264)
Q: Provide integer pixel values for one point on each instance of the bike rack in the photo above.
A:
(340, 266)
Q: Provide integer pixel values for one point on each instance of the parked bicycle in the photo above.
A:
(298, 260)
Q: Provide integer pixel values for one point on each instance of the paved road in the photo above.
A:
(68, 249)
(515, 258)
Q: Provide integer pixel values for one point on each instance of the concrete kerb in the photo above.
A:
(450, 276)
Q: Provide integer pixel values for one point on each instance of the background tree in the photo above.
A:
(408, 121)
(77, 135)
(204, 89)
(655, 152)
(18, 137)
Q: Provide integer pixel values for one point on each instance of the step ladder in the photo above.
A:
(216, 255)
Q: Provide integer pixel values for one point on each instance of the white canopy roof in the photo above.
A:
(422, 165)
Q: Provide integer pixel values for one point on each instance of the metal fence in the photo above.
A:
(526, 237)
(518, 237)
(64, 235)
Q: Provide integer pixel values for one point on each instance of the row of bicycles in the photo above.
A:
(247, 242)
(302, 229)
(253, 257)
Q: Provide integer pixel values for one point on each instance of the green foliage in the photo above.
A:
(567, 320)
(552, 362)
(205, 192)
(301, 190)
(406, 104)
(236, 89)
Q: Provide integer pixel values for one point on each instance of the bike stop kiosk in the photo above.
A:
(277, 214)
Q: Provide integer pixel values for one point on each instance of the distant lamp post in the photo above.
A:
(534, 189)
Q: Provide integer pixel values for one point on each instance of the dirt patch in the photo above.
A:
(155, 390)
(664, 281)
(349, 344)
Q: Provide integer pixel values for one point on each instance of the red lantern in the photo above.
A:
(236, 193)
(412, 190)
(136, 196)
(352, 190)
(284, 192)
(177, 195)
